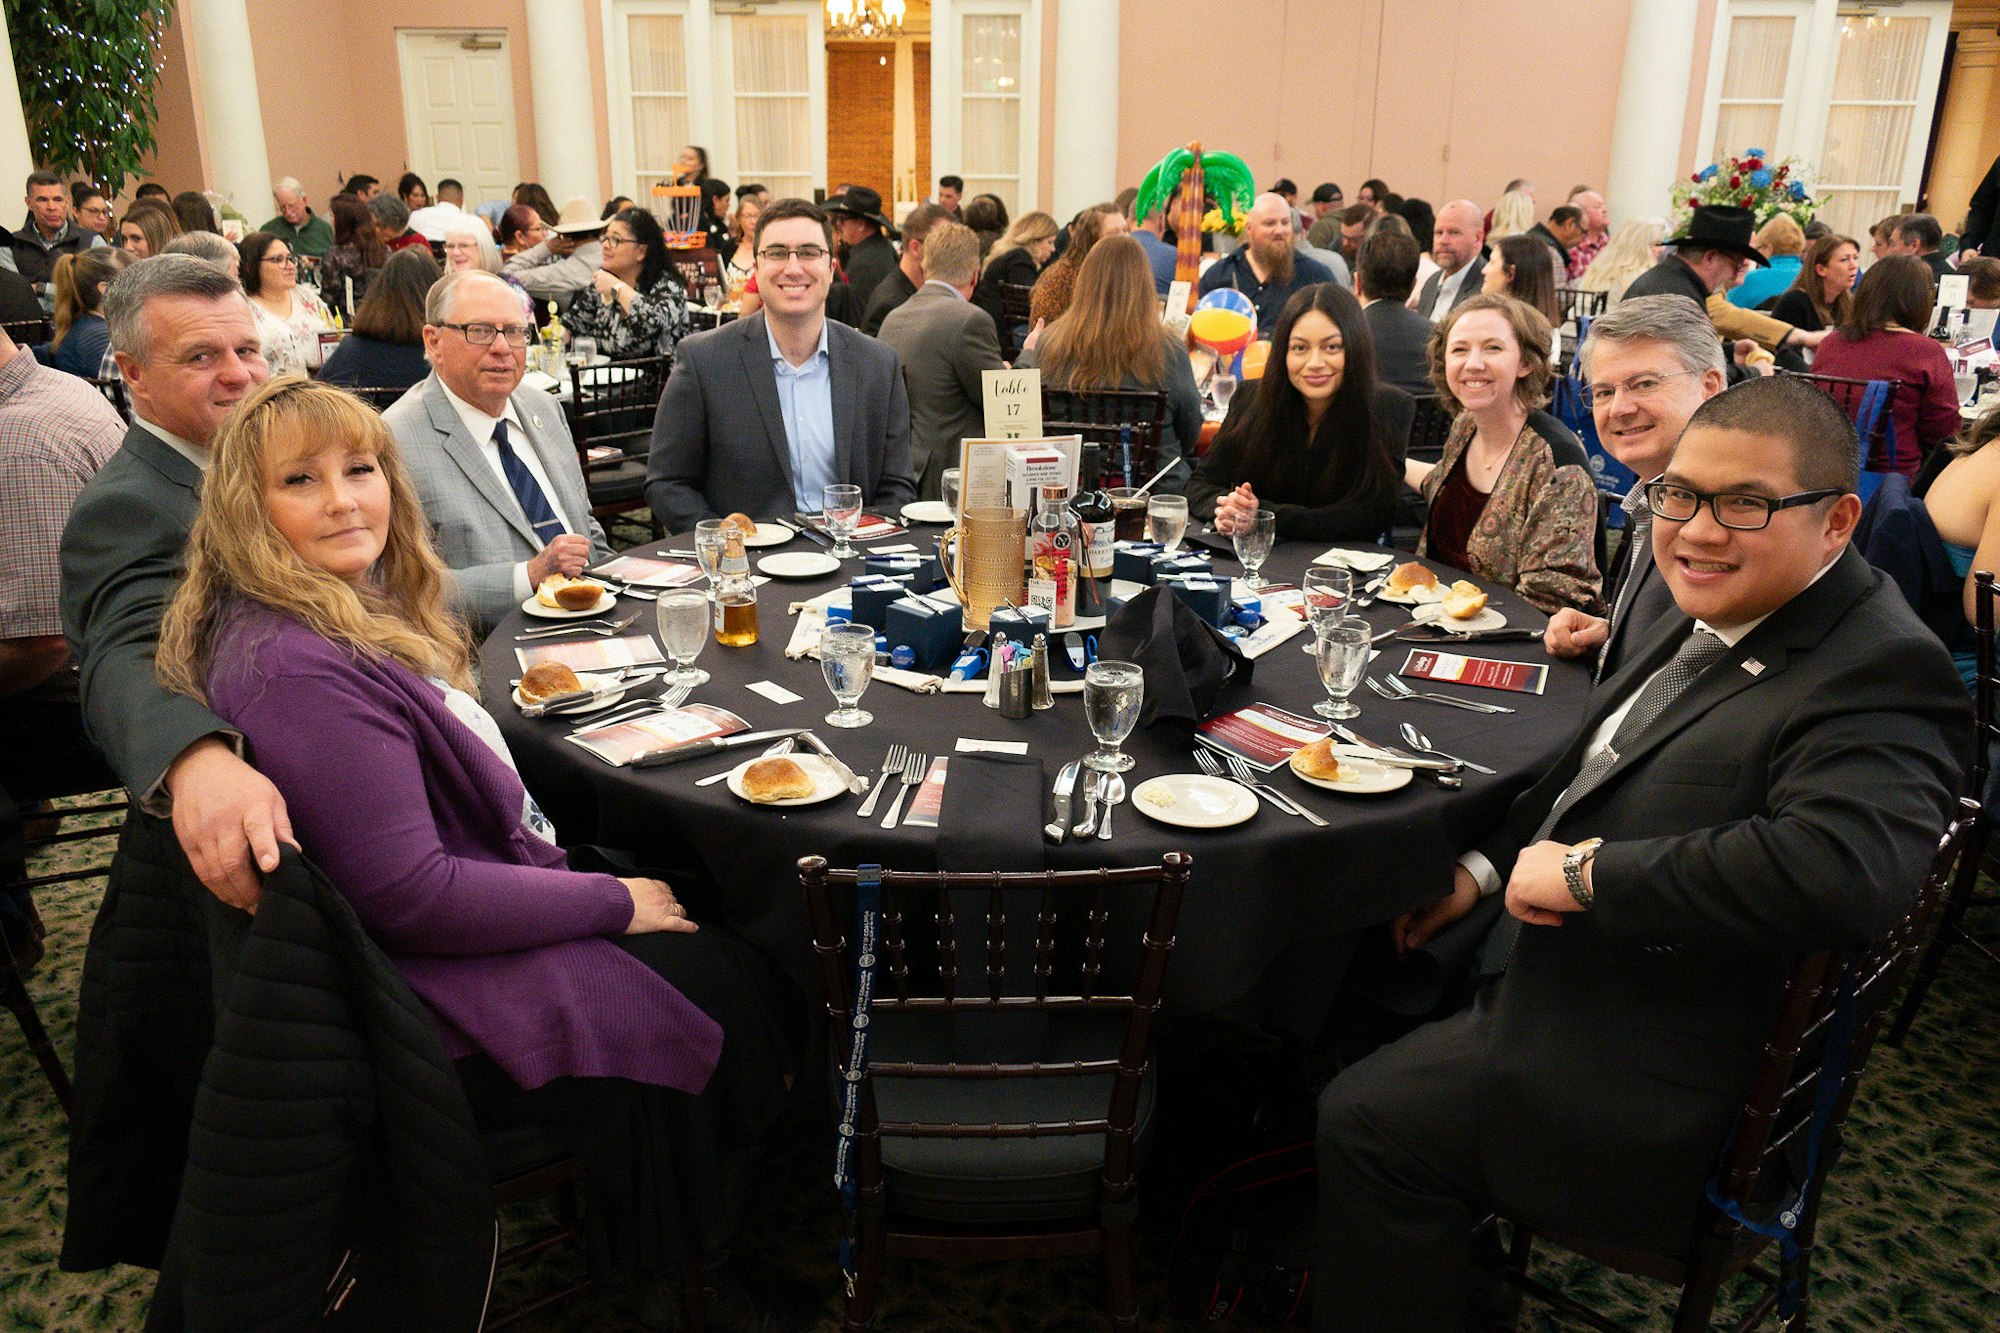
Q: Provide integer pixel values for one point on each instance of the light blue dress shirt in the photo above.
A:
(805, 396)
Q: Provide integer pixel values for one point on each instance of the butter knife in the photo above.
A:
(1065, 788)
(853, 782)
(674, 754)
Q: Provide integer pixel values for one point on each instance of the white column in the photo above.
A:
(1652, 109)
(1086, 105)
(16, 158)
(565, 140)
(225, 95)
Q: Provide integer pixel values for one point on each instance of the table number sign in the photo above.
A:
(1490, 673)
(1013, 403)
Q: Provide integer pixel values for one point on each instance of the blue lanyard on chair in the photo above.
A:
(868, 910)
(1834, 1060)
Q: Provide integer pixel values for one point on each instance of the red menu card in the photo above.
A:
(1264, 736)
(646, 573)
(1519, 677)
(869, 528)
(622, 742)
(929, 800)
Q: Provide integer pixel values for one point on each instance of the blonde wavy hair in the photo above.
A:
(1624, 257)
(1026, 231)
(1512, 216)
(236, 553)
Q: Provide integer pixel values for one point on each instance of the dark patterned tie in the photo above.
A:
(535, 504)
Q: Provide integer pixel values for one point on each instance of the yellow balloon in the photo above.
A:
(1254, 357)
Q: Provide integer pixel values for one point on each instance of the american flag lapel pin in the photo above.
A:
(1753, 666)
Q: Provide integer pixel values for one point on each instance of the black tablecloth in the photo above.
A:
(1257, 890)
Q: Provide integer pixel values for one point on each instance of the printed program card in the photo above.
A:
(924, 806)
(593, 654)
(645, 573)
(1263, 735)
(1491, 673)
(622, 742)
(869, 528)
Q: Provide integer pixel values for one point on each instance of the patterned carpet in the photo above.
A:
(1910, 1239)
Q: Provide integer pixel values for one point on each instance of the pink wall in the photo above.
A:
(179, 162)
(1437, 97)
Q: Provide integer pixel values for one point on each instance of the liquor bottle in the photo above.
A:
(735, 596)
(1052, 545)
(1097, 528)
(552, 343)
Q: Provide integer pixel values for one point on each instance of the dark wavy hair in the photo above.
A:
(1347, 457)
(253, 249)
(646, 231)
(1897, 290)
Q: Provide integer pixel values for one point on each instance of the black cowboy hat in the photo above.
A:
(860, 202)
(1721, 227)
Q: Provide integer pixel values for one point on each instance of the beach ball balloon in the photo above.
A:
(1224, 322)
(1254, 358)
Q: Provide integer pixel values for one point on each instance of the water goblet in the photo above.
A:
(842, 507)
(1327, 592)
(847, 660)
(1341, 649)
(1253, 538)
(1222, 388)
(949, 480)
(711, 538)
(683, 616)
(1112, 693)
(1167, 520)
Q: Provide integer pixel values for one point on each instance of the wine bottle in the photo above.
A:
(1097, 531)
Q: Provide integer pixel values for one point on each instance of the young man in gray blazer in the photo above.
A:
(762, 415)
(493, 463)
(1766, 776)
(945, 342)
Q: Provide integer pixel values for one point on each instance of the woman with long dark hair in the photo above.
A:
(357, 254)
(635, 305)
(386, 348)
(1317, 439)
(1822, 296)
(1883, 339)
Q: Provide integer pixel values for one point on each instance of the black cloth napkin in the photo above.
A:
(1448, 963)
(1187, 661)
(992, 819)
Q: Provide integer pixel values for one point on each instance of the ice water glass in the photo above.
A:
(1327, 593)
(1341, 649)
(949, 479)
(1222, 388)
(847, 660)
(1167, 520)
(583, 351)
(683, 619)
(1253, 540)
(1112, 693)
(842, 507)
(711, 536)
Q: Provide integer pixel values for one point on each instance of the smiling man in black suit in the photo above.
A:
(1766, 776)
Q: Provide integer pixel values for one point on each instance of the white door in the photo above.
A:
(458, 105)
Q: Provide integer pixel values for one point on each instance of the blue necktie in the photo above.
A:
(534, 503)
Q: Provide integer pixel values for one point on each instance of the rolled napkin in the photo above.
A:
(1361, 562)
(1187, 662)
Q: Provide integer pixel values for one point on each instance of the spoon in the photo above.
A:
(1114, 792)
(1417, 740)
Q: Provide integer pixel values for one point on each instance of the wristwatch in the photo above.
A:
(1574, 860)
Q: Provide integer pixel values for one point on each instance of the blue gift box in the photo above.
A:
(920, 571)
(1133, 561)
(871, 595)
(1181, 563)
(1206, 595)
(931, 631)
(1019, 623)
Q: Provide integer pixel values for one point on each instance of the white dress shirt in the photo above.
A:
(1448, 285)
(480, 427)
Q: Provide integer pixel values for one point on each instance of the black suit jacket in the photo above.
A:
(1475, 275)
(1402, 346)
(1789, 801)
(719, 444)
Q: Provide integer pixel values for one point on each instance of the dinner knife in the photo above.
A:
(1065, 787)
(1390, 757)
(674, 754)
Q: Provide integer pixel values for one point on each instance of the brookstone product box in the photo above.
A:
(920, 571)
(1133, 561)
(1206, 595)
(930, 631)
(1020, 623)
(1181, 563)
(871, 595)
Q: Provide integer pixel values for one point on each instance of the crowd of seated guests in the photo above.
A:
(1055, 283)
(290, 317)
(385, 348)
(1631, 250)
(1014, 260)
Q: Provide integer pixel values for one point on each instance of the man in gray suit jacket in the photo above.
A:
(1384, 272)
(762, 415)
(494, 463)
(945, 342)
(1456, 240)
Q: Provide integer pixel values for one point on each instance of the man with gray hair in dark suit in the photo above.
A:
(762, 415)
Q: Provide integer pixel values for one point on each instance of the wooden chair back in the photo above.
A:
(613, 404)
(1016, 304)
(1871, 406)
(115, 393)
(1429, 426)
(1128, 423)
(1579, 304)
(30, 332)
(378, 396)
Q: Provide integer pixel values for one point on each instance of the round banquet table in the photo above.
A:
(1258, 888)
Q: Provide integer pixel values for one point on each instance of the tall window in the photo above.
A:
(990, 126)
(1871, 117)
(657, 67)
(773, 95)
(1754, 81)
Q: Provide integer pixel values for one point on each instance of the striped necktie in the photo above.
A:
(541, 515)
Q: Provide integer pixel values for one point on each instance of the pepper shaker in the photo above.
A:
(1043, 699)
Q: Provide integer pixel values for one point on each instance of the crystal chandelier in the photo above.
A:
(865, 18)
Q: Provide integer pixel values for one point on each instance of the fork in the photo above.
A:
(674, 697)
(1248, 778)
(892, 763)
(914, 769)
(1392, 687)
(609, 627)
(1212, 766)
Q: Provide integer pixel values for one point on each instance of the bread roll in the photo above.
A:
(568, 594)
(744, 522)
(1464, 601)
(776, 779)
(1318, 761)
(548, 680)
(1408, 576)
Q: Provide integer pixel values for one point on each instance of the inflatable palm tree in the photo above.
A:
(1186, 176)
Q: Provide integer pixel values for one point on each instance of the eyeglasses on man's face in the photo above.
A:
(785, 254)
(482, 335)
(1639, 386)
(1741, 512)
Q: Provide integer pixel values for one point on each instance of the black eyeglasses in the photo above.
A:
(482, 335)
(1744, 513)
(784, 254)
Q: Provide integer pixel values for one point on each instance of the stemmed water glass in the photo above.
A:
(1167, 520)
(1112, 693)
(1221, 388)
(1341, 648)
(683, 619)
(847, 660)
(711, 537)
(1327, 592)
(842, 507)
(948, 481)
(1253, 538)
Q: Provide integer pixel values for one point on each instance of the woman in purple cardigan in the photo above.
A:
(313, 620)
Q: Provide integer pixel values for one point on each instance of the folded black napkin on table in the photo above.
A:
(992, 820)
(1187, 661)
